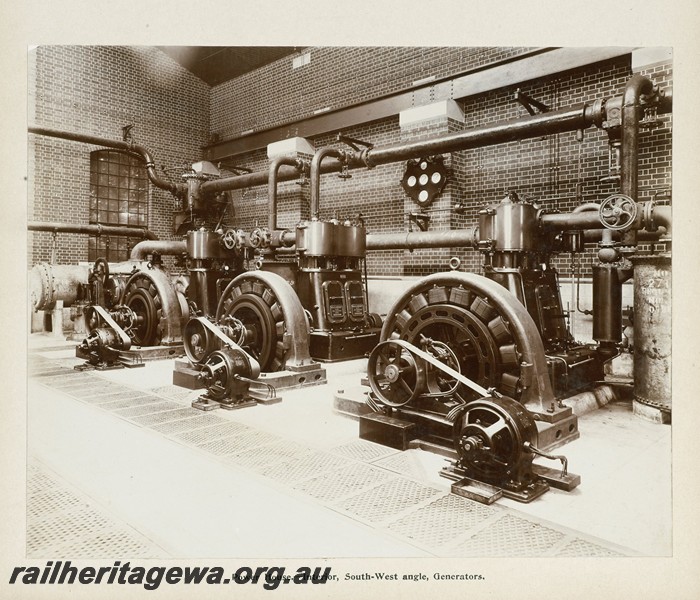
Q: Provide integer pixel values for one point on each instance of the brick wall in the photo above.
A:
(545, 170)
(335, 77)
(97, 91)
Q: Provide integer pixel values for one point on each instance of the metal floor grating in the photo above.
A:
(336, 485)
(264, 456)
(147, 409)
(363, 480)
(83, 391)
(205, 435)
(46, 371)
(363, 450)
(58, 528)
(442, 521)
(583, 548)
(109, 543)
(239, 442)
(37, 482)
(197, 421)
(83, 382)
(510, 536)
(82, 388)
(104, 395)
(51, 501)
(61, 522)
(406, 463)
(165, 417)
(69, 377)
(301, 469)
(131, 400)
(175, 392)
(387, 500)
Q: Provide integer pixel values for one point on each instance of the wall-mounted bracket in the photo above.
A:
(418, 219)
(529, 103)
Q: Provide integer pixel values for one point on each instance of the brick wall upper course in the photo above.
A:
(335, 77)
(97, 90)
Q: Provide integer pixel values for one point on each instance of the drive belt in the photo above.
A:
(429, 358)
(104, 314)
(255, 366)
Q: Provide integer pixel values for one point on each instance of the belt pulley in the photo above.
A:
(228, 371)
(399, 372)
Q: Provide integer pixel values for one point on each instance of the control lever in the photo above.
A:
(564, 461)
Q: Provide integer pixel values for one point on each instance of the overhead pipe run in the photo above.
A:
(579, 117)
(93, 229)
(143, 153)
(558, 121)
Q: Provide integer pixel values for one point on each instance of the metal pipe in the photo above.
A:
(662, 218)
(275, 165)
(586, 207)
(238, 182)
(143, 153)
(595, 235)
(558, 121)
(571, 221)
(115, 230)
(637, 86)
(169, 247)
(316, 176)
(570, 119)
(424, 239)
(579, 117)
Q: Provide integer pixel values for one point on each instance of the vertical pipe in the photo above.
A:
(316, 176)
(273, 173)
(629, 176)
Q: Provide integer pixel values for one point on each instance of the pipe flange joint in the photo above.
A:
(302, 165)
(365, 157)
(648, 216)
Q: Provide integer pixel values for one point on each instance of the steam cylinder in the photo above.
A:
(652, 330)
(511, 224)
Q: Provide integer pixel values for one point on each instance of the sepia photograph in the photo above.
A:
(343, 319)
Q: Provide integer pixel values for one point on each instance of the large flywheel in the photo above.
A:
(159, 310)
(142, 297)
(266, 307)
(446, 309)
